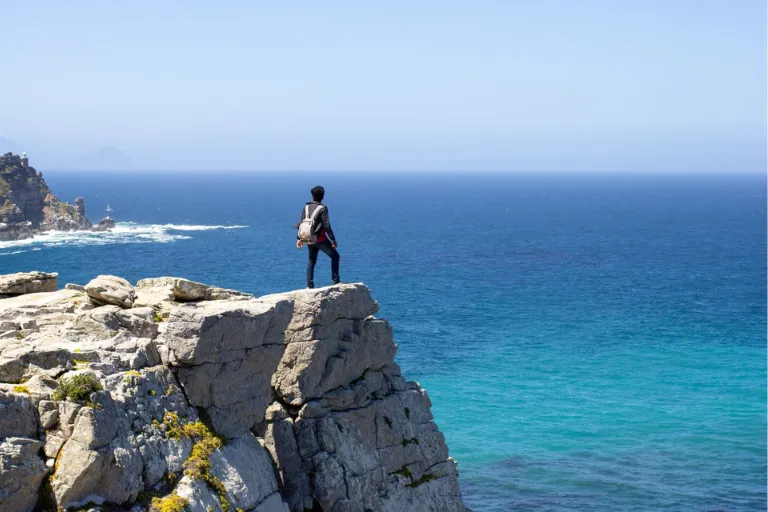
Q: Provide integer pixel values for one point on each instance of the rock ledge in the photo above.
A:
(173, 393)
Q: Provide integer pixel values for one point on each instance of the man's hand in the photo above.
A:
(299, 244)
(334, 245)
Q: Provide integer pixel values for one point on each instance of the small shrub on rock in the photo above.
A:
(77, 387)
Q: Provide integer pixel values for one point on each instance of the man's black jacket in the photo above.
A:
(324, 221)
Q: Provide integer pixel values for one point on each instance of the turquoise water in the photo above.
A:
(592, 342)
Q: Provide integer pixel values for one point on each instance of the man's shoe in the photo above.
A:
(310, 286)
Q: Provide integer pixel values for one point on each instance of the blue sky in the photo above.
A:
(610, 85)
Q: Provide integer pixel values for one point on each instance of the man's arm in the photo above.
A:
(327, 225)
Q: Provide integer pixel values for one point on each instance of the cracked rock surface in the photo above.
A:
(117, 397)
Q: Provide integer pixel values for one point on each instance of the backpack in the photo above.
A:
(309, 225)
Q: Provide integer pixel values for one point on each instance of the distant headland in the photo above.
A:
(28, 207)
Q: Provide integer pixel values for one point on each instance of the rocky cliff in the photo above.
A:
(27, 205)
(173, 396)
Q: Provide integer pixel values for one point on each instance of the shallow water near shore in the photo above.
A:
(591, 342)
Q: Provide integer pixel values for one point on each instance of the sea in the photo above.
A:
(590, 342)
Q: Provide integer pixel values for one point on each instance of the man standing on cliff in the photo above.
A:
(315, 231)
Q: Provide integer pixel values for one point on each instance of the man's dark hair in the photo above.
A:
(318, 193)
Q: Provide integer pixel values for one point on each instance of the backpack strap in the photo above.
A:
(316, 212)
(306, 212)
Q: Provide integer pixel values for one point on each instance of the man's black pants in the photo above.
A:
(332, 253)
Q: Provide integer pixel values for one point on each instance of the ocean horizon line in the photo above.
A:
(462, 172)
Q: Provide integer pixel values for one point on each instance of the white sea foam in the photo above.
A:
(186, 227)
(122, 233)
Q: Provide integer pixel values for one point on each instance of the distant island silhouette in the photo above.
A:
(107, 158)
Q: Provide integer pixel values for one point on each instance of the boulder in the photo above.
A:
(17, 416)
(36, 387)
(159, 298)
(50, 354)
(182, 289)
(222, 331)
(215, 293)
(331, 340)
(111, 290)
(104, 224)
(21, 472)
(41, 305)
(49, 414)
(337, 356)
(225, 354)
(23, 283)
(319, 308)
(198, 496)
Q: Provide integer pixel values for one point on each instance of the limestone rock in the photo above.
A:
(22, 283)
(302, 386)
(49, 414)
(245, 468)
(199, 496)
(17, 416)
(42, 308)
(182, 289)
(21, 473)
(273, 503)
(319, 308)
(116, 449)
(226, 353)
(216, 293)
(111, 290)
(338, 356)
(36, 388)
(159, 298)
(280, 439)
(220, 331)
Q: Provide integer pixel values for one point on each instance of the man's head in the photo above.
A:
(318, 193)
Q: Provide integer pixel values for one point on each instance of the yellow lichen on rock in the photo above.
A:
(198, 465)
(172, 503)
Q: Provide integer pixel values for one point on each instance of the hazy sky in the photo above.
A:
(508, 85)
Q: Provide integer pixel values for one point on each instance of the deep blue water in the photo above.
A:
(589, 342)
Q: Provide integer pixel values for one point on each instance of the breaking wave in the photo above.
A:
(185, 227)
(122, 233)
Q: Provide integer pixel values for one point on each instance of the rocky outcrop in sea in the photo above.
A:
(172, 396)
(27, 205)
